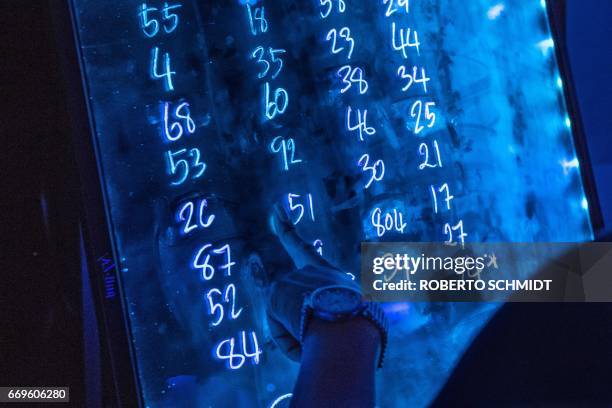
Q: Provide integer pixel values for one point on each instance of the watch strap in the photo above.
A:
(370, 311)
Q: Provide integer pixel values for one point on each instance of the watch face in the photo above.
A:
(336, 300)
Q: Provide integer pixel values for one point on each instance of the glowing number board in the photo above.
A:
(368, 120)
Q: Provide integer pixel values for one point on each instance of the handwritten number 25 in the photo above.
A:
(417, 112)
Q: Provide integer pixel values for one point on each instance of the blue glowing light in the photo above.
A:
(284, 397)
(584, 203)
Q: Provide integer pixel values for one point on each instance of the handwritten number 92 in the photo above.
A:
(417, 113)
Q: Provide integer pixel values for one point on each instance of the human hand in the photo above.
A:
(289, 288)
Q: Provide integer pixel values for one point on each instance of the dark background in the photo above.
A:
(563, 349)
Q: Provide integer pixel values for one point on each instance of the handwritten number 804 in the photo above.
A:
(328, 5)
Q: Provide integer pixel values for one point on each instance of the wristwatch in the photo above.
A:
(341, 303)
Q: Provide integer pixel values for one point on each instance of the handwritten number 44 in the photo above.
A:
(361, 123)
(404, 41)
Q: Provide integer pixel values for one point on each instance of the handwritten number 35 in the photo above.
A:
(260, 54)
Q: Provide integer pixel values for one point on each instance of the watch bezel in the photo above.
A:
(321, 312)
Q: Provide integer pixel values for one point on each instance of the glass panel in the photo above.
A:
(369, 120)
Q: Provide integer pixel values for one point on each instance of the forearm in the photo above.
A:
(338, 365)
